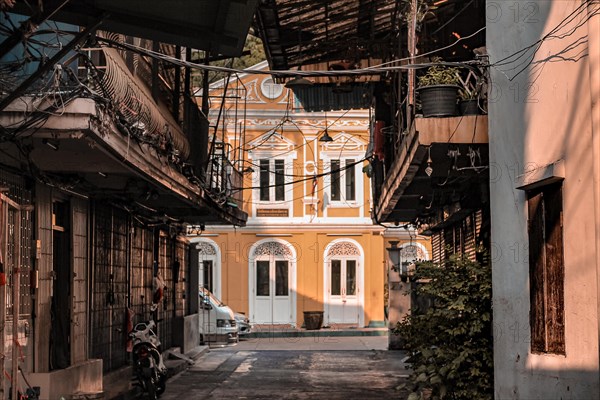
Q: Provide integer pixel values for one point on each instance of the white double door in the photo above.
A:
(273, 291)
(343, 300)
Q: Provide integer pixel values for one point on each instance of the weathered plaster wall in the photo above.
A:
(538, 117)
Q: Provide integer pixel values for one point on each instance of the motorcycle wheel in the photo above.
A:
(150, 389)
(161, 385)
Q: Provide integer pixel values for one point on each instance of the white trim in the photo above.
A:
(420, 246)
(360, 276)
(277, 88)
(265, 224)
(288, 165)
(216, 262)
(326, 157)
(307, 220)
(221, 82)
(293, 274)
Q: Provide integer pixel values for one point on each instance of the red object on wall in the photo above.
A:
(379, 140)
(129, 314)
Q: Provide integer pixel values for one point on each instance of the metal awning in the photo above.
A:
(300, 32)
(304, 32)
(331, 97)
(220, 26)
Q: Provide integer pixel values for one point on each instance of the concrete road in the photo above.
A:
(294, 368)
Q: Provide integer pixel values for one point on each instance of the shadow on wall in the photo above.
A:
(540, 96)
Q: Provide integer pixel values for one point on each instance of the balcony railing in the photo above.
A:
(223, 178)
(402, 153)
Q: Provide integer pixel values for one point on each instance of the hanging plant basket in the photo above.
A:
(439, 100)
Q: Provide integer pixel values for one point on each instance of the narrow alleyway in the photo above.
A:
(294, 368)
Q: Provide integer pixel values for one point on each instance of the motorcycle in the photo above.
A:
(149, 369)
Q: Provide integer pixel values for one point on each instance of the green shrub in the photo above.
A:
(450, 344)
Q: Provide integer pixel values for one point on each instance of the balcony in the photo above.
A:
(107, 134)
(438, 162)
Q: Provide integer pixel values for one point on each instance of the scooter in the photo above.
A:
(149, 369)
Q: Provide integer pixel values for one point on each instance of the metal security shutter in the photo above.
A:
(437, 247)
(79, 299)
(110, 287)
(181, 251)
(142, 245)
(165, 310)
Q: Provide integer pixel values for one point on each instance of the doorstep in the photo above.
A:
(279, 331)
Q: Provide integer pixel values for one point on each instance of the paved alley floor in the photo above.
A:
(294, 368)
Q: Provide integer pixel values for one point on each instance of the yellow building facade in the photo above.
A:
(309, 243)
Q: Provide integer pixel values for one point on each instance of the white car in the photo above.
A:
(243, 324)
(217, 321)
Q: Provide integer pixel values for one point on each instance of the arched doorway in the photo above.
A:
(272, 282)
(344, 283)
(209, 266)
(412, 253)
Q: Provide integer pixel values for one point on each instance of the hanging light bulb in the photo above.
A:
(429, 169)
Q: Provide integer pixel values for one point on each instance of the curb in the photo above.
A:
(177, 362)
(317, 333)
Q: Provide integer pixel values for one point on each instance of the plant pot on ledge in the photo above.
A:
(469, 107)
(439, 100)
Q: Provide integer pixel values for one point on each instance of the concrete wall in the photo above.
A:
(186, 332)
(540, 120)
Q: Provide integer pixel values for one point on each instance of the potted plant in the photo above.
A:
(438, 90)
(469, 102)
(471, 95)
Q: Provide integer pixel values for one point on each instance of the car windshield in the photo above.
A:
(204, 292)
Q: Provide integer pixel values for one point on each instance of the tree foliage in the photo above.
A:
(257, 54)
(450, 344)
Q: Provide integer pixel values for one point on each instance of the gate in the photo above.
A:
(123, 254)
(16, 233)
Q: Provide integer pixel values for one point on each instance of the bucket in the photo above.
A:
(313, 320)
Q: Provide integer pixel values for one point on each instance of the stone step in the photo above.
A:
(273, 332)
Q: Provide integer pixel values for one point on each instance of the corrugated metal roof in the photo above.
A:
(295, 30)
(303, 32)
(331, 97)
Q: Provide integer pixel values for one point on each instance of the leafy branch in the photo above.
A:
(450, 344)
